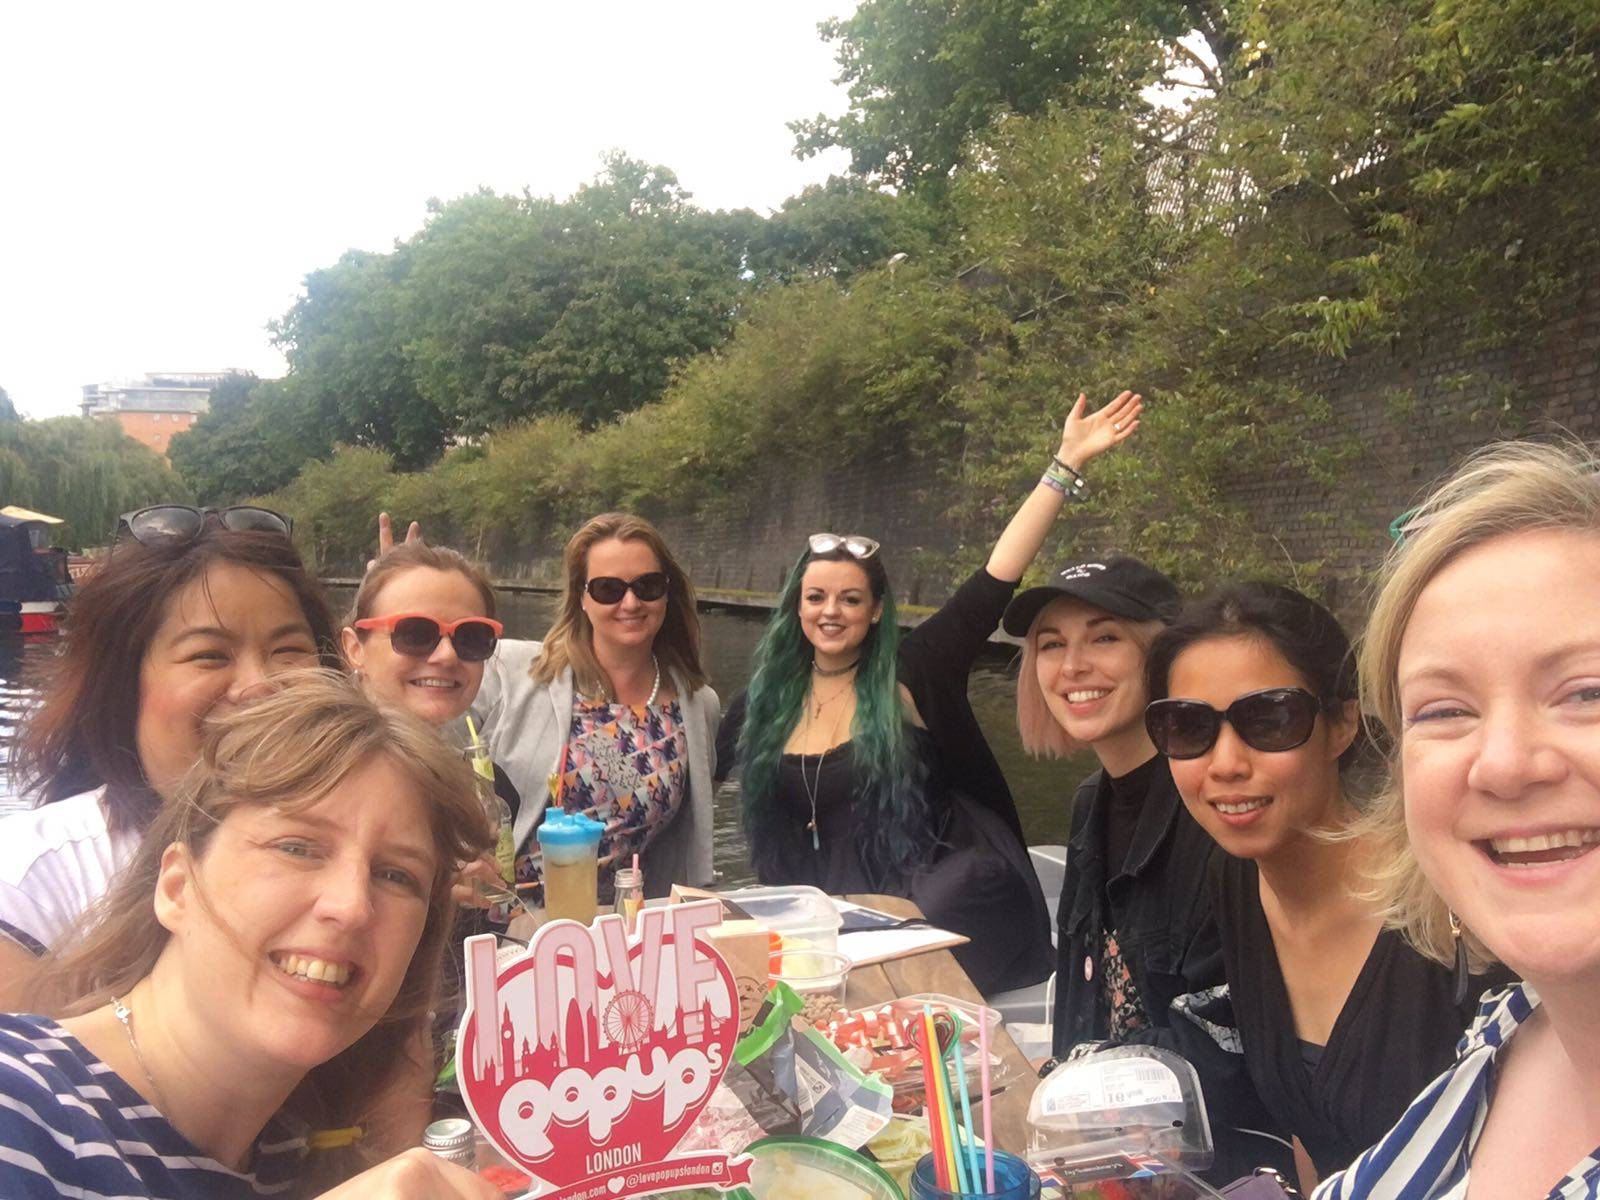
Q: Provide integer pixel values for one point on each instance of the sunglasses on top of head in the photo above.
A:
(854, 544)
(1272, 720)
(608, 589)
(183, 522)
(416, 635)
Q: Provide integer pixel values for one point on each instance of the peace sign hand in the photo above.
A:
(386, 537)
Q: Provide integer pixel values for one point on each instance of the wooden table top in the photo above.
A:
(937, 971)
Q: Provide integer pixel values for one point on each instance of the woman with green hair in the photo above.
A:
(862, 767)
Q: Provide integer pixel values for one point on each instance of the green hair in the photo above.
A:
(889, 778)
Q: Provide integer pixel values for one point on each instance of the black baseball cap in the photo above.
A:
(1123, 586)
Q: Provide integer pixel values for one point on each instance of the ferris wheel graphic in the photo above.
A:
(626, 1020)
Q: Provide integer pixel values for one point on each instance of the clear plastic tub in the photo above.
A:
(876, 1039)
(801, 914)
(1118, 1112)
(818, 976)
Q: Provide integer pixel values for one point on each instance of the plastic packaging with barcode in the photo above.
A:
(1140, 1103)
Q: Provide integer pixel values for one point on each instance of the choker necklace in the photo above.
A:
(125, 1015)
(830, 672)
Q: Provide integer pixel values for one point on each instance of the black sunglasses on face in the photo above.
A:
(608, 589)
(1272, 720)
(416, 635)
(183, 522)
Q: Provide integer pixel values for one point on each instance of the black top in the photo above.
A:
(1397, 1031)
(1154, 898)
(1127, 802)
(979, 880)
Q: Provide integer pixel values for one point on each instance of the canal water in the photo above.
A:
(1042, 788)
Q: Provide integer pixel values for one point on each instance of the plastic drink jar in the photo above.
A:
(570, 846)
(1013, 1180)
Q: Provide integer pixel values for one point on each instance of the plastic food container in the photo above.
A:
(1119, 1113)
(876, 1039)
(798, 913)
(819, 976)
(801, 1168)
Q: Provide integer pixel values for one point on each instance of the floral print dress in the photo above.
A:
(627, 767)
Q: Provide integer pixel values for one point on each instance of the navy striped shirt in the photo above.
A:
(71, 1126)
(1428, 1155)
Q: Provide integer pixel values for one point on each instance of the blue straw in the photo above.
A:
(966, 1107)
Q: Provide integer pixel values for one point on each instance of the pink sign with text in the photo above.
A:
(587, 1057)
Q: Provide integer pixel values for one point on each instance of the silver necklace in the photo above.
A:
(125, 1015)
(813, 788)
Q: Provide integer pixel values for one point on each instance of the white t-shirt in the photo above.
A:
(55, 861)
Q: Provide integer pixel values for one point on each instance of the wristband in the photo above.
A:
(1064, 480)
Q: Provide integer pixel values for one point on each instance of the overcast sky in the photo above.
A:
(169, 172)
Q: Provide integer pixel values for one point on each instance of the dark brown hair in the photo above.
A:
(83, 734)
(570, 642)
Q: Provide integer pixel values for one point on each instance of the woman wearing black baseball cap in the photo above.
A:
(1135, 928)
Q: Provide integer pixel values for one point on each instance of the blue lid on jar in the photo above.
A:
(561, 828)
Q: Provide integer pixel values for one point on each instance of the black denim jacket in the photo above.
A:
(1161, 906)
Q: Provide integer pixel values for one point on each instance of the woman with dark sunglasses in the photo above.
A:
(862, 767)
(186, 617)
(1342, 1022)
(611, 715)
(420, 631)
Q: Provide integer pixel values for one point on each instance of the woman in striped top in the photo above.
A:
(257, 971)
(1483, 660)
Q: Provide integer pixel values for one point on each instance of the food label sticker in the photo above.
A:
(1123, 1083)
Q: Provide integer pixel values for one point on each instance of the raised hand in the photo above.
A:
(1086, 435)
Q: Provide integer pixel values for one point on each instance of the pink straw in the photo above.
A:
(983, 1077)
(635, 862)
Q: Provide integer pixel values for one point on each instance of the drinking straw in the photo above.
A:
(947, 1109)
(966, 1106)
(930, 1053)
(983, 1082)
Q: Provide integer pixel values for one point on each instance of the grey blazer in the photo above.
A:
(525, 725)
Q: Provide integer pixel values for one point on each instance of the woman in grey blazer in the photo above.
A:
(611, 714)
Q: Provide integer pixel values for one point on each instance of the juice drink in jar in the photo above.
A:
(570, 846)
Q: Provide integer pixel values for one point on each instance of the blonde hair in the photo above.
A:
(1509, 487)
(288, 750)
(410, 556)
(570, 642)
(1042, 734)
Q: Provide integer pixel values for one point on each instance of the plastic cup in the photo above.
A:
(570, 846)
(1013, 1180)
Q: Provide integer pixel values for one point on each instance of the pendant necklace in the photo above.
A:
(125, 1015)
(816, 709)
(813, 788)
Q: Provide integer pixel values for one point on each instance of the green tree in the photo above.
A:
(345, 342)
(519, 306)
(255, 436)
(8, 410)
(87, 472)
(841, 227)
(924, 76)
